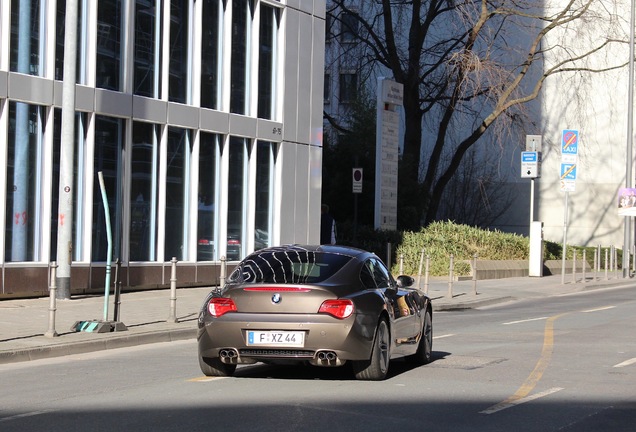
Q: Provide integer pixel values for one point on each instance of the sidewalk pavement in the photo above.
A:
(25, 323)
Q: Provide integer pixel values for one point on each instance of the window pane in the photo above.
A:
(236, 203)
(147, 52)
(109, 138)
(266, 75)
(143, 192)
(210, 55)
(177, 185)
(240, 36)
(22, 181)
(207, 238)
(348, 87)
(264, 171)
(179, 44)
(25, 36)
(108, 44)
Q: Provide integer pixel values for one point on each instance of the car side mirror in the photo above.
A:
(404, 281)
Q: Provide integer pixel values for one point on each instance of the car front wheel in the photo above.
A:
(376, 368)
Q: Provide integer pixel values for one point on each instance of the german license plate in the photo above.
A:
(276, 338)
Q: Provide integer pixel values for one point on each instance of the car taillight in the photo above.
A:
(338, 308)
(219, 306)
(234, 242)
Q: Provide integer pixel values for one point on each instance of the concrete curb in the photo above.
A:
(101, 344)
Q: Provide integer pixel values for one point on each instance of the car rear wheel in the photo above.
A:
(425, 348)
(376, 368)
(215, 367)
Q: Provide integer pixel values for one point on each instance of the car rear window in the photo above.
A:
(288, 267)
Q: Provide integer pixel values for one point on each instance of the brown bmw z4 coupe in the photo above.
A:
(318, 305)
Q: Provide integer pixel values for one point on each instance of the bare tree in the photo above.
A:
(469, 67)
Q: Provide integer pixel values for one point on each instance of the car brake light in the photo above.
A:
(219, 306)
(338, 308)
(234, 242)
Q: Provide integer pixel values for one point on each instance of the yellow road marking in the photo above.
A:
(205, 379)
(534, 377)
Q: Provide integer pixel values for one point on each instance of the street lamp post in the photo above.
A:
(67, 147)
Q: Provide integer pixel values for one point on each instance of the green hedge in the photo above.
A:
(441, 239)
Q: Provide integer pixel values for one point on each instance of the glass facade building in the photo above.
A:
(204, 118)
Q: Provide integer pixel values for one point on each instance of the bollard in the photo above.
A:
(450, 277)
(223, 272)
(475, 274)
(388, 255)
(574, 266)
(173, 292)
(606, 264)
(584, 264)
(596, 264)
(52, 305)
(419, 273)
(401, 264)
(426, 273)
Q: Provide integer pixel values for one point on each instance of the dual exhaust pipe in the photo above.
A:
(327, 356)
(228, 354)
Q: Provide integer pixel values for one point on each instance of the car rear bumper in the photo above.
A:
(346, 339)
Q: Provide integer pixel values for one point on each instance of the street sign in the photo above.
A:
(530, 164)
(357, 180)
(533, 143)
(569, 145)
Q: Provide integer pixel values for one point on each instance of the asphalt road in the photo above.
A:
(560, 364)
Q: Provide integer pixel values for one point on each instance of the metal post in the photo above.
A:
(573, 265)
(67, 149)
(419, 272)
(117, 289)
(388, 255)
(627, 221)
(584, 264)
(52, 305)
(426, 274)
(475, 274)
(606, 250)
(596, 263)
(450, 276)
(173, 291)
(565, 237)
(401, 264)
(223, 273)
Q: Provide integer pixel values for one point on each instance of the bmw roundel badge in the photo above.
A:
(276, 298)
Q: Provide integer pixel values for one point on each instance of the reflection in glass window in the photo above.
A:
(25, 37)
(179, 50)
(108, 43)
(267, 61)
(177, 186)
(210, 64)
(240, 38)
(109, 138)
(147, 52)
(143, 192)
(24, 145)
(236, 193)
(265, 154)
(207, 221)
